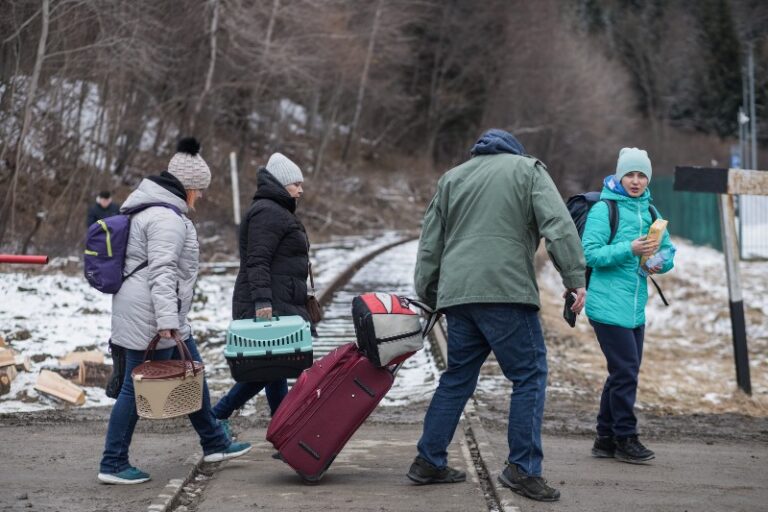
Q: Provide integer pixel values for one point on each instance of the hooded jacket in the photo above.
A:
(274, 254)
(159, 296)
(617, 293)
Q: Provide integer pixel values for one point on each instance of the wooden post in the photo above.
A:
(727, 183)
(735, 300)
(235, 187)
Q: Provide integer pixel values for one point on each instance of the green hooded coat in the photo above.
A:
(617, 293)
(481, 231)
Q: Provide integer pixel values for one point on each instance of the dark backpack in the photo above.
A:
(105, 246)
(579, 206)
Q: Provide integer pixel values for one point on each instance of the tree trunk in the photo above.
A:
(363, 81)
(211, 64)
(10, 196)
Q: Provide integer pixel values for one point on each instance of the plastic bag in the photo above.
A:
(658, 259)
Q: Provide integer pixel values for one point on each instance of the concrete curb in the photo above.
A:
(166, 500)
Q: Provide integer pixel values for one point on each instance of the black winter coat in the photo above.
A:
(274, 254)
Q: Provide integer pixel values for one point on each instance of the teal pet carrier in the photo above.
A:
(265, 350)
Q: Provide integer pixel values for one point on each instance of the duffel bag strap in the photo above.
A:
(431, 314)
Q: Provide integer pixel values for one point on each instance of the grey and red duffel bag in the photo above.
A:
(388, 331)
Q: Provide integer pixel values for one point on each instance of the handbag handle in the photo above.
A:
(311, 279)
(432, 315)
(186, 355)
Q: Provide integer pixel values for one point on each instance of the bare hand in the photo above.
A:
(643, 247)
(581, 297)
(264, 313)
(166, 333)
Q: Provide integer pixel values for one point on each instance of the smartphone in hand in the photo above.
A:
(568, 313)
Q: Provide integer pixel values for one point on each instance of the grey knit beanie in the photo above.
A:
(284, 170)
(188, 166)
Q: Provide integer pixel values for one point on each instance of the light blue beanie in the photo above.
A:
(633, 159)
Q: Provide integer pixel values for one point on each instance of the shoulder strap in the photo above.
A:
(142, 207)
(613, 218)
(658, 289)
(654, 212)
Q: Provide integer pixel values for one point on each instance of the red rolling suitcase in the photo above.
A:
(325, 407)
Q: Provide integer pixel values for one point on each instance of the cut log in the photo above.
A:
(2, 342)
(7, 374)
(23, 363)
(94, 374)
(70, 371)
(7, 357)
(96, 356)
(55, 385)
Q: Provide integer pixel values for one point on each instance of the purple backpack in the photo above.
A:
(105, 247)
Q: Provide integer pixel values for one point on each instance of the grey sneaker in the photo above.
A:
(533, 487)
(128, 476)
(423, 473)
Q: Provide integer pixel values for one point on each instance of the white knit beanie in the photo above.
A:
(284, 170)
(188, 166)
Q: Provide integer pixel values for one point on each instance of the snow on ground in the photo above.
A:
(46, 315)
(688, 354)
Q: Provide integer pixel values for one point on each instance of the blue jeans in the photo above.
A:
(122, 421)
(513, 333)
(244, 391)
(623, 350)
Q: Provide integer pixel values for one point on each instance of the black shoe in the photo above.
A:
(604, 447)
(533, 487)
(630, 449)
(422, 472)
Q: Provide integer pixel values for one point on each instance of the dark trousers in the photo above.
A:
(623, 350)
(241, 392)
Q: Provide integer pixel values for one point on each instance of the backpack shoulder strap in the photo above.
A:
(654, 212)
(142, 207)
(613, 218)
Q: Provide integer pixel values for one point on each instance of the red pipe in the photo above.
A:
(16, 258)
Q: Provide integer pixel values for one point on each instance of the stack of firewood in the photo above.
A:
(62, 381)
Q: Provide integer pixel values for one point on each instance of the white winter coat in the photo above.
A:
(159, 296)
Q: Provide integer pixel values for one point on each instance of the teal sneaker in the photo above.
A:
(128, 476)
(227, 429)
(232, 451)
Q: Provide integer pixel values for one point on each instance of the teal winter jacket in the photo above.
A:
(617, 293)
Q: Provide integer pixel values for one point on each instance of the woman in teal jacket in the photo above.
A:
(616, 299)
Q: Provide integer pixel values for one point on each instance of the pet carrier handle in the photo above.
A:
(432, 316)
(183, 351)
(259, 319)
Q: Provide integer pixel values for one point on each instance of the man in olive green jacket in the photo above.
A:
(475, 263)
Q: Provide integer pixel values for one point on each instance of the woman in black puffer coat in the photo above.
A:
(274, 264)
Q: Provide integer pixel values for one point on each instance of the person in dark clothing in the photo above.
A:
(274, 264)
(103, 208)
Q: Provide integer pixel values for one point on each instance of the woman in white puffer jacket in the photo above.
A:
(162, 259)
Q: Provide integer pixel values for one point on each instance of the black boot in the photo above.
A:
(630, 449)
(604, 447)
(422, 472)
(533, 487)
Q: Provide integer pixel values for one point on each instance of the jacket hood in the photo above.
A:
(612, 189)
(269, 188)
(149, 191)
(497, 141)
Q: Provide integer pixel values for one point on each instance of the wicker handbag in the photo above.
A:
(166, 389)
